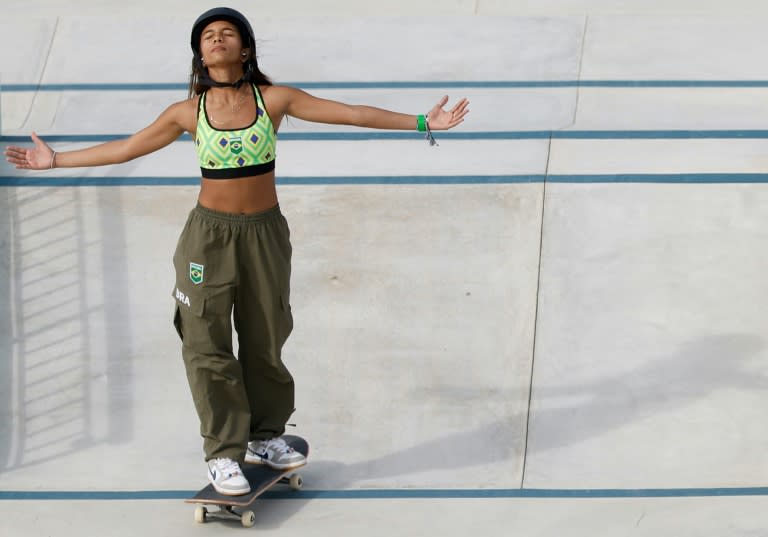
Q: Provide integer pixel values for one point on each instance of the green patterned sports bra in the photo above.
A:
(235, 153)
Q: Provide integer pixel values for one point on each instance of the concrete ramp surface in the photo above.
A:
(551, 324)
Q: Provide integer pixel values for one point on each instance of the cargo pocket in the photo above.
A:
(177, 321)
(195, 305)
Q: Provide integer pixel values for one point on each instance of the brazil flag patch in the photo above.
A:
(196, 273)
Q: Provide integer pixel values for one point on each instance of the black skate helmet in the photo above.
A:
(247, 37)
(218, 14)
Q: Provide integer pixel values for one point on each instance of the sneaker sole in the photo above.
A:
(225, 492)
(275, 467)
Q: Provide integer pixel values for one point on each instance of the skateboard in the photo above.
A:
(261, 478)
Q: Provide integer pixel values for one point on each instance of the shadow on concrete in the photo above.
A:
(6, 330)
(693, 372)
(62, 382)
(117, 315)
(437, 454)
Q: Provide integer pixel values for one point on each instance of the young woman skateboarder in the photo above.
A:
(234, 253)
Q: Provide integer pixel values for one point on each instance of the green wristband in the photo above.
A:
(421, 123)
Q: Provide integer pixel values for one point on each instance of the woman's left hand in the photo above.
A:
(440, 120)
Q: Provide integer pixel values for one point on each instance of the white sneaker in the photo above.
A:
(275, 453)
(227, 478)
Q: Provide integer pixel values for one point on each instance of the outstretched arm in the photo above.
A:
(299, 104)
(164, 130)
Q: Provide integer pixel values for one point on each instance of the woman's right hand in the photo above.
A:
(40, 157)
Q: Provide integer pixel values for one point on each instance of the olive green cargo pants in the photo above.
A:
(239, 263)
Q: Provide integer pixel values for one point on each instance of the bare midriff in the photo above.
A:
(244, 195)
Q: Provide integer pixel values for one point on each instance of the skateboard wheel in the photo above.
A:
(200, 512)
(248, 519)
(296, 482)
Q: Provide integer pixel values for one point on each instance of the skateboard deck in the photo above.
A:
(261, 478)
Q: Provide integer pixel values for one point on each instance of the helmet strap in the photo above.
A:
(205, 80)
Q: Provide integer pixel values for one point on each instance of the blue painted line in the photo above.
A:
(399, 494)
(412, 84)
(395, 494)
(649, 134)
(453, 135)
(672, 83)
(663, 178)
(13, 88)
(413, 180)
(96, 495)
(40, 181)
(640, 178)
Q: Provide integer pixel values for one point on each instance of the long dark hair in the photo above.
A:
(199, 80)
